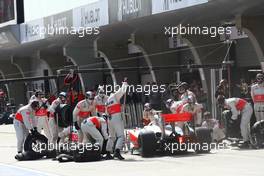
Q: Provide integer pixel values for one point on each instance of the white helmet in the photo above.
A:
(169, 102)
(63, 94)
(147, 106)
(191, 100)
(89, 95)
(101, 91)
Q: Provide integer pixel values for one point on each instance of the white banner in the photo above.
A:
(32, 31)
(91, 15)
(159, 6)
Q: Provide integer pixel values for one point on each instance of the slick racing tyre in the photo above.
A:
(257, 135)
(35, 147)
(147, 143)
(33, 142)
(203, 140)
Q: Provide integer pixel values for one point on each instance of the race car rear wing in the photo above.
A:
(172, 118)
(181, 117)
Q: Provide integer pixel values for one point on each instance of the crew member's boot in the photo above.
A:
(118, 155)
(108, 156)
(245, 145)
(19, 156)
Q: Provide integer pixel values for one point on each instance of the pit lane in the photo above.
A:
(228, 162)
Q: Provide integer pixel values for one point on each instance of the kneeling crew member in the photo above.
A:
(148, 114)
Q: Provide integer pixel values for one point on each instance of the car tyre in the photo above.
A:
(147, 143)
(203, 137)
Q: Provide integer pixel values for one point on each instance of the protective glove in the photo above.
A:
(105, 116)
(76, 126)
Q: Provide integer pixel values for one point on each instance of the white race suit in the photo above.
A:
(24, 121)
(54, 128)
(84, 109)
(257, 95)
(100, 104)
(242, 107)
(115, 122)
(42, 118)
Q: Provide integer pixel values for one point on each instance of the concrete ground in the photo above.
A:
(226, 162)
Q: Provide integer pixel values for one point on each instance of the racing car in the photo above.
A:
(163, 136)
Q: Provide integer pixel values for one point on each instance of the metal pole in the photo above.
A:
(229, 80)
(178, 76)
(213, 89)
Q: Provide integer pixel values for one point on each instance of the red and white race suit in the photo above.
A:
(148, 117)
(95, 128)
(83, 110)
(257, 95)
(188, 94)
(24, 121)
(100, 104)
(115, 122)
(42, 118)
(54, 128)
(176, 108)
(242, 107)
(195, 110)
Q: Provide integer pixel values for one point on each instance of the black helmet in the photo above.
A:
(34, 104)
(89, 95)
(182, 87)
(39, 93)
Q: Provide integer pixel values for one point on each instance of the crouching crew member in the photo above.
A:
(25, 122)
(96, 128)
(83, 110)
(115, 123)
(241, 107)
(213, 124)
(148, 114)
